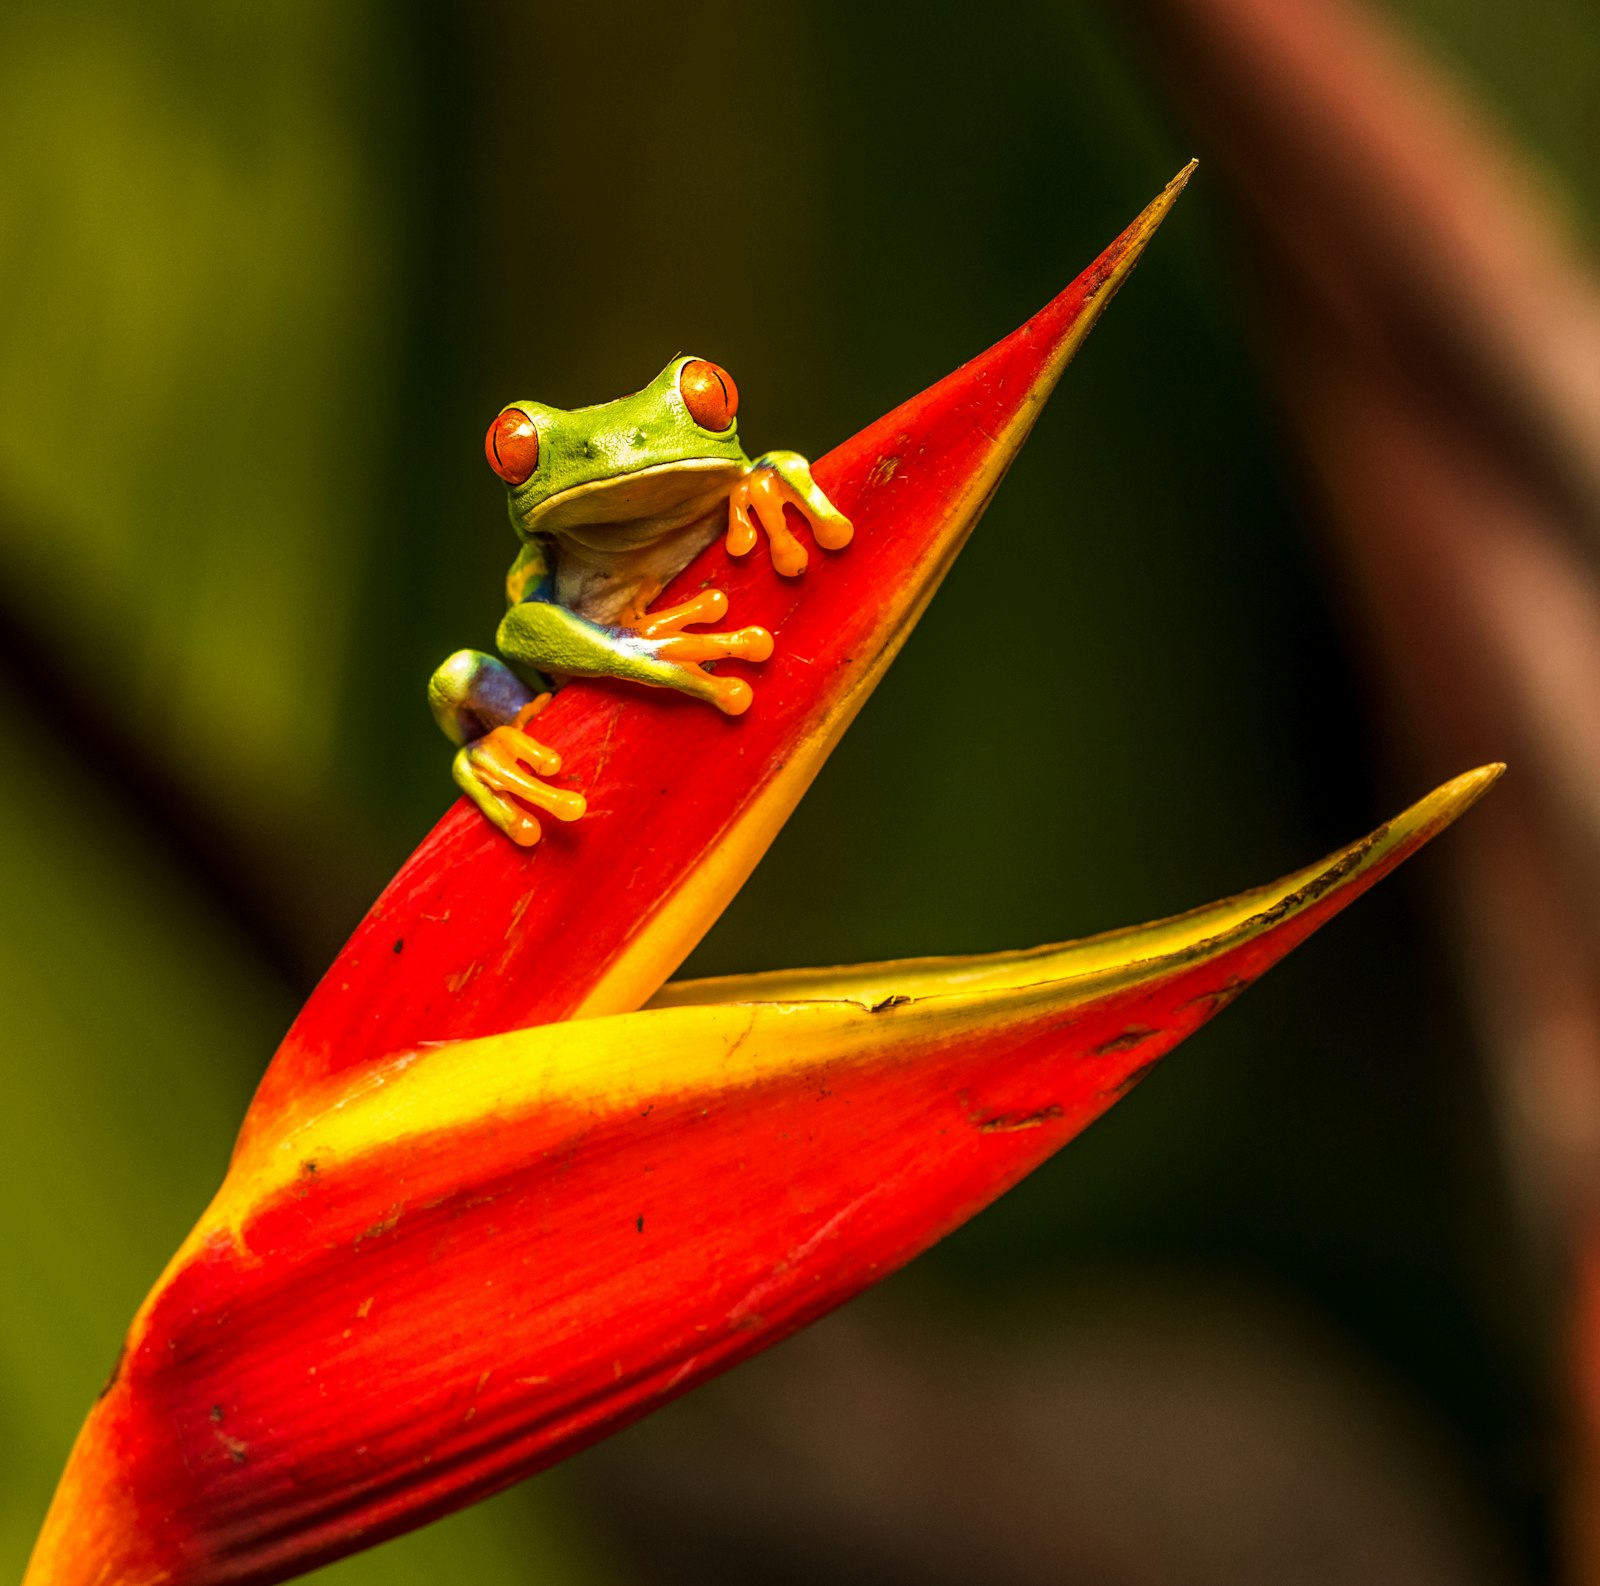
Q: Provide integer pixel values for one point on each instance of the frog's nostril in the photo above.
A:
(512, 446)
(709, 394)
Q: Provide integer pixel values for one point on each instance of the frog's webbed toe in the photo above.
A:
(663, 632)
(501, 773)
(778, 481)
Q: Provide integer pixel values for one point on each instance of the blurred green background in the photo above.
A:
(265, 274)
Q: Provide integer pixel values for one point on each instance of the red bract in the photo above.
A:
(683, 801)
(461, 1237)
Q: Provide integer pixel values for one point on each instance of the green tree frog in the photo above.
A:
(610, 502)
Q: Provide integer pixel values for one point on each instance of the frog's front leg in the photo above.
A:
(481, 704)
(777, 480)
(542, 634)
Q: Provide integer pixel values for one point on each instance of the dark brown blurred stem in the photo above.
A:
(1438, 341)
(1379, 186)
(1488, 627)
(287, 891)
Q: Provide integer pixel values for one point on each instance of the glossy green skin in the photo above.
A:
(587, 450)
(612, 508)
(625, 495)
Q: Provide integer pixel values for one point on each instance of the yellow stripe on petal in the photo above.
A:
(709, 1037)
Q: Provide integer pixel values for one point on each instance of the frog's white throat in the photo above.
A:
(620, 541)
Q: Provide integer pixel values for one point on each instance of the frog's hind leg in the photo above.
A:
(473, 693)
(481, 704)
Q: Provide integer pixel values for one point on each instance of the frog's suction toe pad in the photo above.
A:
(523, 829)
(751, 644)
(832, 531)
(733, 695)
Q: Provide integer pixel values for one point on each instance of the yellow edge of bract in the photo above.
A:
(664, 942)
(608, 1064)
(1111, 950)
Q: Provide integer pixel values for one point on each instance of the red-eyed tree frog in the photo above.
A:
(610, 502)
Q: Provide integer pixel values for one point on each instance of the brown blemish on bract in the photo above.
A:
(1215, 1001)
(237, 1449)
(1011, 1122)
(1134, 1035)
(740, 1039)
(1325, 880)
(385, 1224)
(459, 981)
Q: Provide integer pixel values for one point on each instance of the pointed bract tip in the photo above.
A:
(1117, 262)
(1462, 792)
(1445, 804)
(1150, 217)
(1069, 319)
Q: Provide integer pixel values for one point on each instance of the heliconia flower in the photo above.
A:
(488, 1205)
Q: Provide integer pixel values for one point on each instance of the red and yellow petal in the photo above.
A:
(471, 1260)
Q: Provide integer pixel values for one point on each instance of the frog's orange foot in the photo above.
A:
(710, 605)
(506, 766)
(669, 643)
(762, 496)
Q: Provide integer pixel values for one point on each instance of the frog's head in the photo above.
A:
(640, 466)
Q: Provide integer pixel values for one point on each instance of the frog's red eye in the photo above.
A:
(512, 446)
(709, 394)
